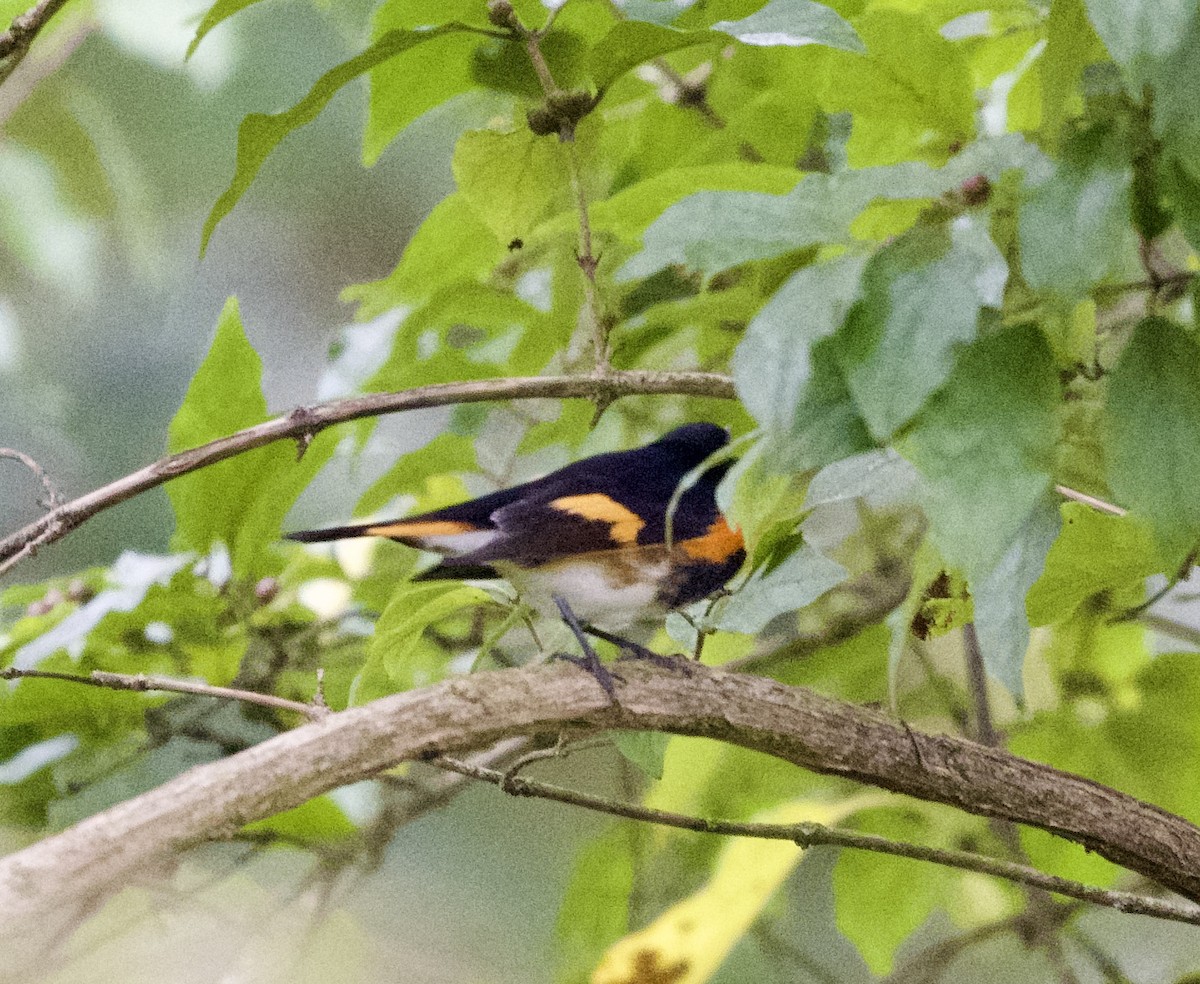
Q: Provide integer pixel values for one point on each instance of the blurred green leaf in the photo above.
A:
(260, 133)
(240, 502)
(1072, 227)
(319, 820)
(146, 772)
(595, 909)
(1095, 553)
(922, 296)
(1152, 419)
(219, 11)
(645, 749)
(880, 901)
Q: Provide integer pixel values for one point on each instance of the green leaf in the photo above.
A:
(645, 749)
(1151, 423)
(985, 447)
(451, 245)
(414, 608)
(880, 901)
(801, 579)
(1075, 226)
(1095, 553)
(260, 133)
(913, 97)
(632, 42)
(794, 23)
(595, 908)
(922, 296)
(424, 76)
(319, 820)
(240, 502)
(772, 363)
(219, 11)
(788, 23)
(511, 180)
(1002, 595)
(712, 231)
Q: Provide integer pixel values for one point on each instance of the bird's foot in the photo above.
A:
(590, 663)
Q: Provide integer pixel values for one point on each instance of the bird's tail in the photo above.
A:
(333, 533)
(445, 536)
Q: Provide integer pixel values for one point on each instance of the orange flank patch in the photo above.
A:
(717, 545)
(624, 524)
(427, 527)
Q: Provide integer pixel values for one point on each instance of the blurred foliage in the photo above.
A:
(946, 250)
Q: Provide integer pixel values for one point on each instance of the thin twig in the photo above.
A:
(315, 418)
(584, 256)
(16, 41)
(142, 681)
(1090, 500)
(813, 834)
(53, 496)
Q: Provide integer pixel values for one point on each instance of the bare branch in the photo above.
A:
(40, 885)
(16, 41)
(812, 834)
(310, 420)
(53, 498)
(315, 711)
(1090, 500)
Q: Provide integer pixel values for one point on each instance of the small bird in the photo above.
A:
(589, 540)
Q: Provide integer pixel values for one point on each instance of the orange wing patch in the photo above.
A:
(624, 524)
(428, 527)
(717, 545)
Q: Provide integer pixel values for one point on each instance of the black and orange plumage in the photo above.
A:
(589, 539)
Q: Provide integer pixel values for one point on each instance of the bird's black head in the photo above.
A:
(695, 442)
(699, 440)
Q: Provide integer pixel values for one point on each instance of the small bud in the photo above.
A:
(38, 608)
(78, 590)
(266, 590)
(54, 597)
(541, 121)
(976, 190)
(500, 13)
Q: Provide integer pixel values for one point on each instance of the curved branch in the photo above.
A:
(44, 886)
(303, 423)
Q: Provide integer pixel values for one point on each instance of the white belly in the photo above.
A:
(596, 594)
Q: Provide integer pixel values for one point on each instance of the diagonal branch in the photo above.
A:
(303, 423)
(43, 887)
(16, 41)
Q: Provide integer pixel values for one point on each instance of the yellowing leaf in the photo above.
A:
(688, 942)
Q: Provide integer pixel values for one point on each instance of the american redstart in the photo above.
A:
(590, 539)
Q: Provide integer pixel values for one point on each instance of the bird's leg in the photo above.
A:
(589, 661)
(632, 650)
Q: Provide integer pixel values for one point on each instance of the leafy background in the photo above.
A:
(908, 229)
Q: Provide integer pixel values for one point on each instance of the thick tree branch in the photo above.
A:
(44, 886)
(305, 422)
(812, 834)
